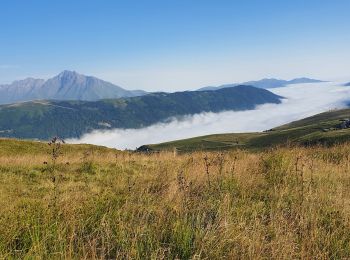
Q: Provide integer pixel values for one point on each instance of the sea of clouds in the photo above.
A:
(301, 100)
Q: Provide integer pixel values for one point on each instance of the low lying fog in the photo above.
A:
(301, 101)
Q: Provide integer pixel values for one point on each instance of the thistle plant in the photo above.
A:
(55, 145)
(55, 152)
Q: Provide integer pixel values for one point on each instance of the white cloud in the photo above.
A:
(303, 100)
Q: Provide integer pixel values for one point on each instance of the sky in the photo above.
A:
(173, 45)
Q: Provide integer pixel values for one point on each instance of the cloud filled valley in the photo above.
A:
(301, 100)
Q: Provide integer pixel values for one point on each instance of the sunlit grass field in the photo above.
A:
(96, 203)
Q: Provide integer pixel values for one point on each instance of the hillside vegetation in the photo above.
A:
(70, 119)
(323, 129)
(67, 201)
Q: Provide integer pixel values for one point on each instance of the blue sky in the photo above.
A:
(175, 45)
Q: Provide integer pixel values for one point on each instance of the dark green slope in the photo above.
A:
(68, 119)
(324, 128)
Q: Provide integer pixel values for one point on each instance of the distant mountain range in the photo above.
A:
(68, 85)
(265, 83)
(69, 119)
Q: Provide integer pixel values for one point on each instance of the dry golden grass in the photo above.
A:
(95, 204)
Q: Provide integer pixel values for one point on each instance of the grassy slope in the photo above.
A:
(308, 130)
(98, 203)
(15, 147)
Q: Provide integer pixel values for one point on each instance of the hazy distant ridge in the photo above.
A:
(68, 85)
(266, 83)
